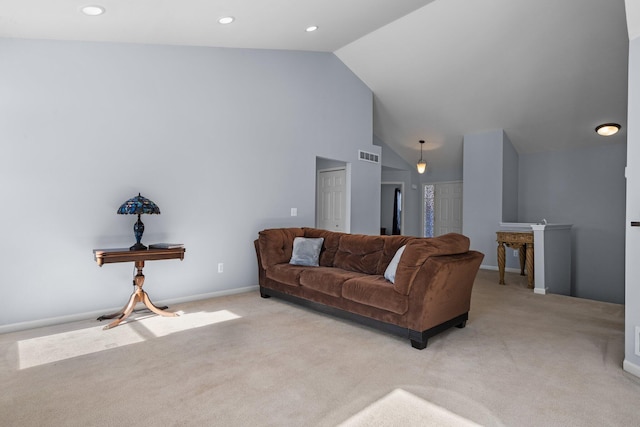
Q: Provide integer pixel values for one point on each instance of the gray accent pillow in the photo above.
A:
(306, 251)
(390, 272)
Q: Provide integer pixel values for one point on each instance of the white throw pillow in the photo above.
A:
(390, 272)
(306, 251)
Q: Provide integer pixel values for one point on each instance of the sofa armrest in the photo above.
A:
(261, 272)
(276, 245)
(442, 289)
(418, 251)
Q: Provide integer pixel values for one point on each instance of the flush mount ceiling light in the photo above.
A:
(311, 29)
(226, 20)
(421, 165)
(608, 129)
(93, 10)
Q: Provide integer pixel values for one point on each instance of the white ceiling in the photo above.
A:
(261, 24)
(546, 71)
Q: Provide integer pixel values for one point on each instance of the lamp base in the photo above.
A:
(138, 247)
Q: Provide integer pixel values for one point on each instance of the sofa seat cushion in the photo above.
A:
(377, 292)
(326, 279)
(287, 274)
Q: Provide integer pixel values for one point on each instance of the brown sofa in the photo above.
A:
(431, 291)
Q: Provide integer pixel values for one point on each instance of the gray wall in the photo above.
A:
(328, 164)
(223, 140)
(510, 161)
(482, 191)
(490, 193)
(585, 188)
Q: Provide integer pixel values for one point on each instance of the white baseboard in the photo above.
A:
(495, 268)
(632, 368)
(13, 327)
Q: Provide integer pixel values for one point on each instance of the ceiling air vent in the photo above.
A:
(368, 157)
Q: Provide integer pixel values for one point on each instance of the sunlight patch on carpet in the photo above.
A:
(66, 345)
(401, 408)
(162, 326)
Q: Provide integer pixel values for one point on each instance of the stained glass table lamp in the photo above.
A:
(137, 206)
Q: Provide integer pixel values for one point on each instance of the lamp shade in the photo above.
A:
(138, 205)
(422, 166)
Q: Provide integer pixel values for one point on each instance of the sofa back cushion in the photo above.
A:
(330, 245)
(419, 250)
(391, 246)
(359, 253)
(276, 245)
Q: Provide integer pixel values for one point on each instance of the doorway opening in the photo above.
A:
(391, 208)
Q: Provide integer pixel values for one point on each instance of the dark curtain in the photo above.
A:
(396, 212)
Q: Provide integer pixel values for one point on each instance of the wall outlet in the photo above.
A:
(294, 211)
(637, 340)
(516, 252)
(220, 267)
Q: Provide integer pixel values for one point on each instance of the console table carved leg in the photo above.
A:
(128, 309)
(157, 310)
(138, 295)
(530, 269)
(522, 254)
(113, 315)
(501, 262)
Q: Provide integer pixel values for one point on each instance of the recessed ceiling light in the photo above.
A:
(93, 10)
(311, 28)
(608, 129)
(226, 20)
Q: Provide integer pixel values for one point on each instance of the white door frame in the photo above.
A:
(401, 184)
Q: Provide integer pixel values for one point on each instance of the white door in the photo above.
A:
(332, 200)
(448, 208)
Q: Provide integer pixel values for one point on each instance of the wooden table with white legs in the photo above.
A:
(107, 256)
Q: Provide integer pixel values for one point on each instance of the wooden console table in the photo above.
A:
(521, 240)
(107, 256)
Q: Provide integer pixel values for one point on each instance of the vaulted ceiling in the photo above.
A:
(546, 71)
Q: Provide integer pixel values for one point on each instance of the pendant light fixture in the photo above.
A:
(421, 165)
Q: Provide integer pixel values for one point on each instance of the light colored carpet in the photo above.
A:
(522, 360)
